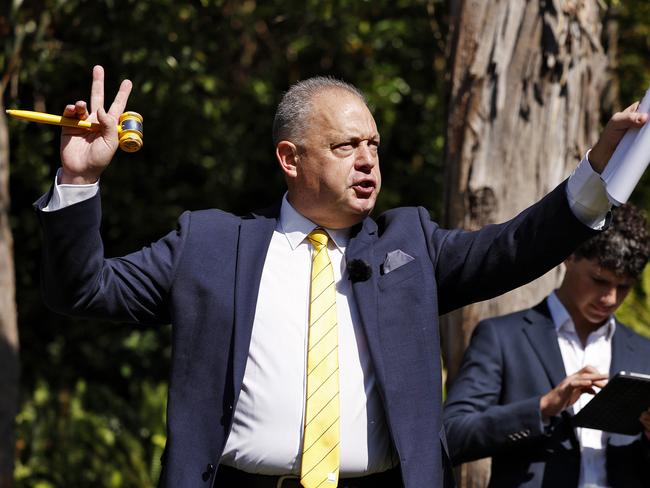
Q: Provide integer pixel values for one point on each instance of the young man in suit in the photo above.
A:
(525, 375)
(240, 293)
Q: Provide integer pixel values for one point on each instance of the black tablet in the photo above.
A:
(618, 406)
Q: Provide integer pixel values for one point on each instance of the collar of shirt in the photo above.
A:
(296, 227)
(563, 321)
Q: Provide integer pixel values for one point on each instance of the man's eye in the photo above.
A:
(344, 147)
(601, 282)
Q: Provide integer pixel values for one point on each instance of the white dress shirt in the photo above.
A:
(597, 352)
(267, 426)
(266, 436)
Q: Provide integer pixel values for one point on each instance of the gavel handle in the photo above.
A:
(129, 129)
(53, 119)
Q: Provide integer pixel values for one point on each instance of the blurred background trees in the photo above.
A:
(207, 76)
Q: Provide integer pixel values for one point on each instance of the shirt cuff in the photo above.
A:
(587, 196)
(65, 195)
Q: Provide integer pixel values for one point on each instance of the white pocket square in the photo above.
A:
(395, 259)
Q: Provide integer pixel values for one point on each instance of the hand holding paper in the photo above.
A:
(614, 131)
(625, 143)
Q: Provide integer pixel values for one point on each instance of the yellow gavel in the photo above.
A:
(129, 128)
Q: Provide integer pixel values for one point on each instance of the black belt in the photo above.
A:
(228, 477)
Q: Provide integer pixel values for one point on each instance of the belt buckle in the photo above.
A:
(282, 479)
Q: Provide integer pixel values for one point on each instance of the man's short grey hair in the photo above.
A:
(292, 115)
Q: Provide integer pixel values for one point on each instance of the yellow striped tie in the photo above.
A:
(320, 451)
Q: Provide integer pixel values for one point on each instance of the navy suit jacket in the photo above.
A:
(204, 279)
(493, 406)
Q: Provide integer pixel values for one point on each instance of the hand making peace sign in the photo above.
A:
(86, 154)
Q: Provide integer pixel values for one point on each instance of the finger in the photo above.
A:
(591, 373)
(632, 108)
(599, 380)
(69, 111)
(118, 105)
(600, 384)
(588, 370)
(81, 110)
(109, 128)
(584, 389)
(97, 89)
(626, 120)
(579, 383)
(77, 111)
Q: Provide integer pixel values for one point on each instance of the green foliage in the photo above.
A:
(207, 76)
(635, 310)
(632, 70)
(88, 436)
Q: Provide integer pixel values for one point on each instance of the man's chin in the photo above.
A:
(599, 317)
(351, 218)
(364, 210)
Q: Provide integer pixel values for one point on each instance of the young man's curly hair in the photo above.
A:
(624, 248)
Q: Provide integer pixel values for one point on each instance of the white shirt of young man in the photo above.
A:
(597, 352)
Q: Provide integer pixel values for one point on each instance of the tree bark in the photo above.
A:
(9, 366)
(526, 81)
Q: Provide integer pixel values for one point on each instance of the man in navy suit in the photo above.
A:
(524, 375)
(236, 290)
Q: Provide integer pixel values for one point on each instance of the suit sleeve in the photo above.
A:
(78, 280)
(478, 265)
(475, 423)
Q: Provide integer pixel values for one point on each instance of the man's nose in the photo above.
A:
(366, 157)
(609, 297)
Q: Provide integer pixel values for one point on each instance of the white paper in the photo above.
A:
(629, 161)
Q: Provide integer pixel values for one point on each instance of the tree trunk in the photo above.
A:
(525, 87)
(9, 366)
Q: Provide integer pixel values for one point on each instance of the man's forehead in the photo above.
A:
(335, 93)
(340, 110)
(602, 270)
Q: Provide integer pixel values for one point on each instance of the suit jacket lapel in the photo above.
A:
(622, 349)
(254, 238)
(361, 247)
(543, 338)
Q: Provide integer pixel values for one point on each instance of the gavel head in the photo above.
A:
(130, 131)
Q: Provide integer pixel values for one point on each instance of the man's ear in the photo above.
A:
(287, 154)
(571, 259)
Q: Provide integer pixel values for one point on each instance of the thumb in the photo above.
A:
(629, 119)
(108, 123)
(633, 107)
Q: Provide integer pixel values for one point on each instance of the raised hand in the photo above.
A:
(612, 135)
(85, 154)
(569, 390)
